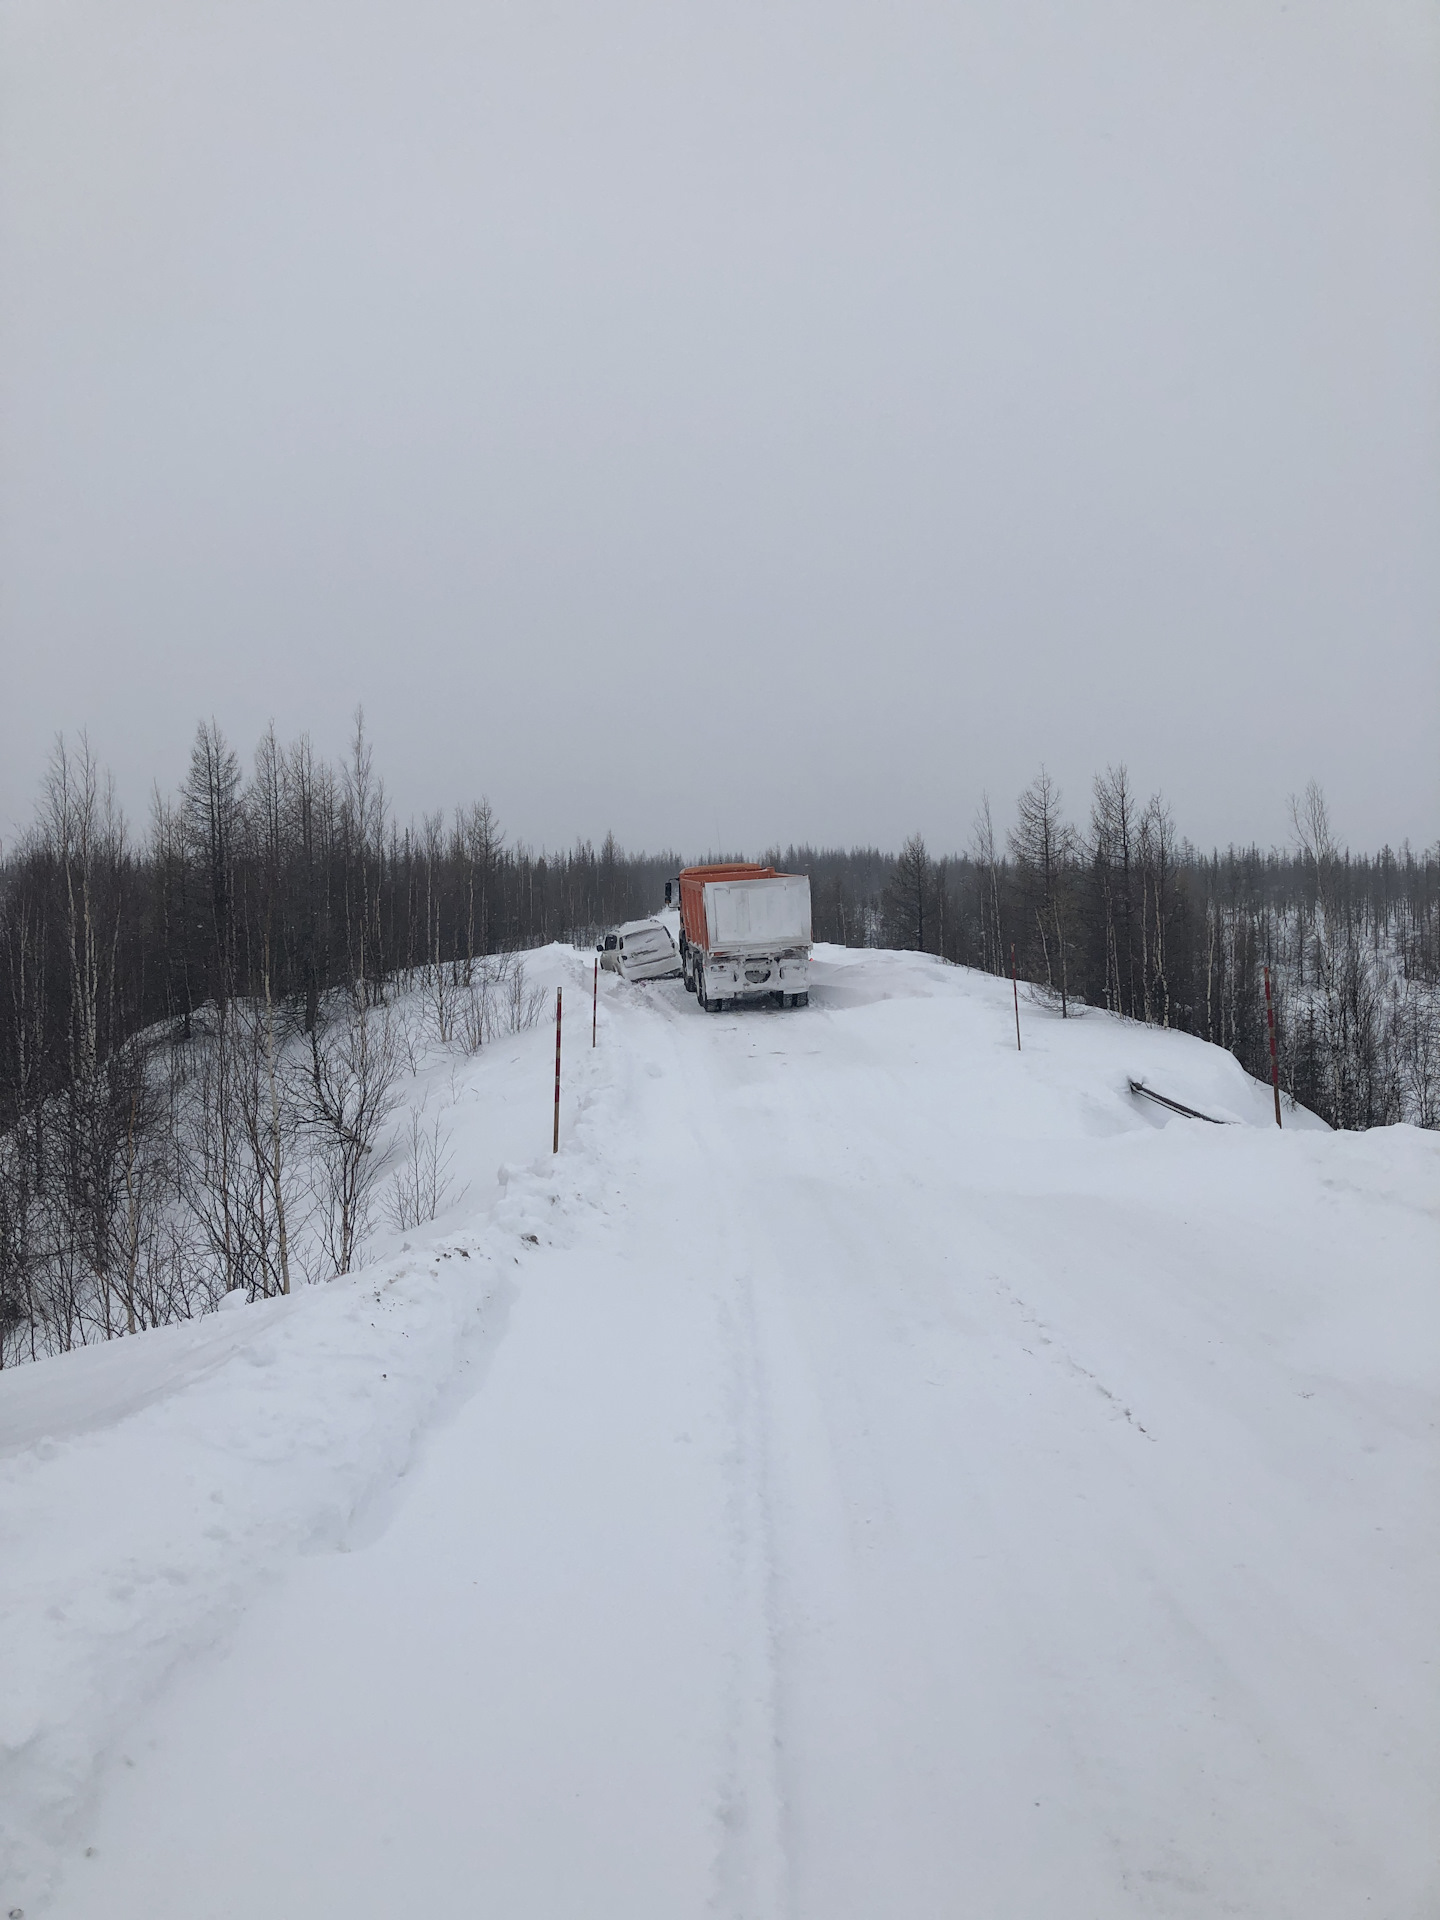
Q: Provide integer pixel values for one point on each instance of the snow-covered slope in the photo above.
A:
(868, 1471)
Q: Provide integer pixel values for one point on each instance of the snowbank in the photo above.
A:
(151, 1486)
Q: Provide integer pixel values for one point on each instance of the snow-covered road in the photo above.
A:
(898, 1477)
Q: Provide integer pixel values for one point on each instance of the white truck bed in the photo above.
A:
(757, 942)
(757, 916)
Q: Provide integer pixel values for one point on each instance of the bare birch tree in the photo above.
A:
(353, 1073)
(1043, 848)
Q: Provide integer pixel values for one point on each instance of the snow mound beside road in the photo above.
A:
(226, 1447)
(151, 1486)
(1072, 1073)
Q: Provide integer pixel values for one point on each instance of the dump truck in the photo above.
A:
(745, 935)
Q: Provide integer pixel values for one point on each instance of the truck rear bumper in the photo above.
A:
(755, 976)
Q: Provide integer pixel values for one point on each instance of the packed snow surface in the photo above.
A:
(869, 1471)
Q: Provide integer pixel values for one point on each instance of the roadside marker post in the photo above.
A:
(595, 1001)
(1015, 984)
(1274, 1057)
(556, 1146)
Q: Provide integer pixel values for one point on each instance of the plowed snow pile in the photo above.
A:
(868, 1472)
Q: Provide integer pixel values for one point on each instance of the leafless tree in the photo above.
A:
(1043, 848)
(363, 812)
(1112, 852)
(217, 1176)
(909, 900)
(481, 842)
(1157, 863)
(422, 1184)
(985, 854)
(212, 828)
(500, 1000)
(353, 1073)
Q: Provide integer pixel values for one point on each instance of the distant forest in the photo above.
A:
(1123, 913)
(157, 989)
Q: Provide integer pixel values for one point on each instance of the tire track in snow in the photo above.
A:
(751, 1875)
(751, 1878)
(1045, 1334)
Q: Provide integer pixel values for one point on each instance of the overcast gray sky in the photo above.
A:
(730, 423)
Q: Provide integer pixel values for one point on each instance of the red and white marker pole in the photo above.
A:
(556, 1147)
(1274, 1057)
(1015, 984)
(595, 1001)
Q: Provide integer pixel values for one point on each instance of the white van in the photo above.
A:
(641, 950)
